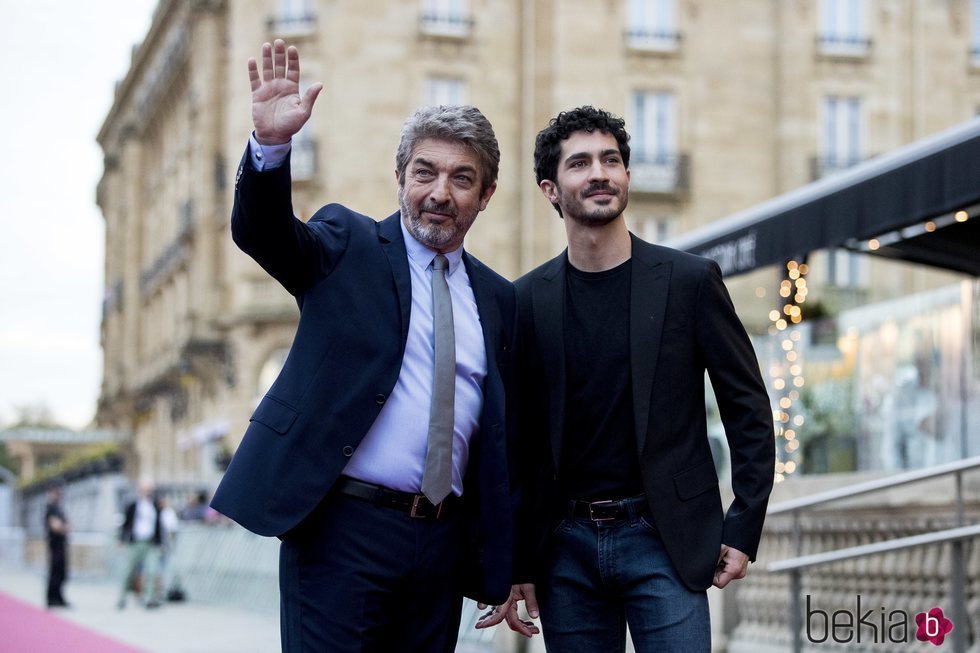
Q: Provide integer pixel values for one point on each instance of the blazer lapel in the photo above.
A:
(648, 301)
(488, 309)
(548, 300)
(393, 245)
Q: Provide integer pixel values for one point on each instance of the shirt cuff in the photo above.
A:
(267, 157)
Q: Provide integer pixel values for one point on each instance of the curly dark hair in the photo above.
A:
(547, 145)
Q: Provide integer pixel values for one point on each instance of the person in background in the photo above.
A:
(142, 535)
(169, 527)
(196, 508)
(57, 528)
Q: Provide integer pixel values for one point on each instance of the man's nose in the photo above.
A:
(597, 172)
(439, 192)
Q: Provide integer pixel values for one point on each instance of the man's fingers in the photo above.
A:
(267, 62)
(520, 626)
(310, 96)
(279, 58)
(530, 601)
(491, 618)
(292, 64)
(253, 74)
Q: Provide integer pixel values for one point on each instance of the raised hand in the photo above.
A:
(278, 111)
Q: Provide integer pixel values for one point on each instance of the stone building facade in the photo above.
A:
(729, 102)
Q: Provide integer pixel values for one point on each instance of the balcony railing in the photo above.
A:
(662, 174)
(653, 40)
(449, 25)
(292, 24)
(821, 166)
(841, 45)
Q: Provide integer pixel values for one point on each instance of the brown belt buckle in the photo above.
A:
(417, 503)
(592, 510)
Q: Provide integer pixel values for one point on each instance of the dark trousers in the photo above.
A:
(57, 572)
(360, 578)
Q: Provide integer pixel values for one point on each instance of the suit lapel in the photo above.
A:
(393, 245)
(548, 299)
(488, 309)
(648, 301)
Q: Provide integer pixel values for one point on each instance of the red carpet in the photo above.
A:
(25, 628)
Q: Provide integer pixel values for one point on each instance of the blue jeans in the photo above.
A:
(604, 575)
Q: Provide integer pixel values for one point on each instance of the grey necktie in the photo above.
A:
(437, 479)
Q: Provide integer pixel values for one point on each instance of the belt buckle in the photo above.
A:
(592, 510)
(417, 503)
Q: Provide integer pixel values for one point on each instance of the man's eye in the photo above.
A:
(422, 173)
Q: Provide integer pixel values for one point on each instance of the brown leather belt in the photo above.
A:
(610, 510)
(417, 506)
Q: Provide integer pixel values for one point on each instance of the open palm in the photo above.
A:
(278, 110)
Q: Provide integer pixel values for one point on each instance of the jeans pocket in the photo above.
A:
(562, 526)
(646, 523)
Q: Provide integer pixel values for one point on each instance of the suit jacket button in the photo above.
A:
(380, 399)
(348, 451)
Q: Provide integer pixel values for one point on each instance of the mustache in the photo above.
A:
(600, 187)
(432, 207)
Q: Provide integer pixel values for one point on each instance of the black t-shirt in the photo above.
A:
(598, 455)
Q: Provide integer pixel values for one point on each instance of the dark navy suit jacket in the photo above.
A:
(351, 279)
(682, 324)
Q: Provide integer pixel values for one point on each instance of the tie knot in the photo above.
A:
(440, 262)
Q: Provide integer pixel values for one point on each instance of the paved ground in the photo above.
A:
(187, 627)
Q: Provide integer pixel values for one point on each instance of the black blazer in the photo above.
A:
(351, 279)
(682, 323)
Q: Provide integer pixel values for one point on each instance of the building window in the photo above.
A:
(652, 25)
(975, 32)
(444, 90)
(841, 129)
(654, 230)
(843, 29)
(302, 158)
(655, 165)
(449, 18)
(293, 17)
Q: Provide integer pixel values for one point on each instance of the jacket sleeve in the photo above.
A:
(745, 411)
(296, 253)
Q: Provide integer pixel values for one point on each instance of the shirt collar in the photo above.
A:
(422, 255)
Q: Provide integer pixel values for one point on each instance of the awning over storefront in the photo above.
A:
(920, 203)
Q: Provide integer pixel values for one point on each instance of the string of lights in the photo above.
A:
(786, 373)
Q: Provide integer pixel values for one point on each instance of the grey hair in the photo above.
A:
(460, 123)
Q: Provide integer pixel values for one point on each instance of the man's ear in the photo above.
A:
(550, 190)
(487, 194)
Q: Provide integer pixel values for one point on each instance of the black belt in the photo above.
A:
(610, 510)
(416, 505)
